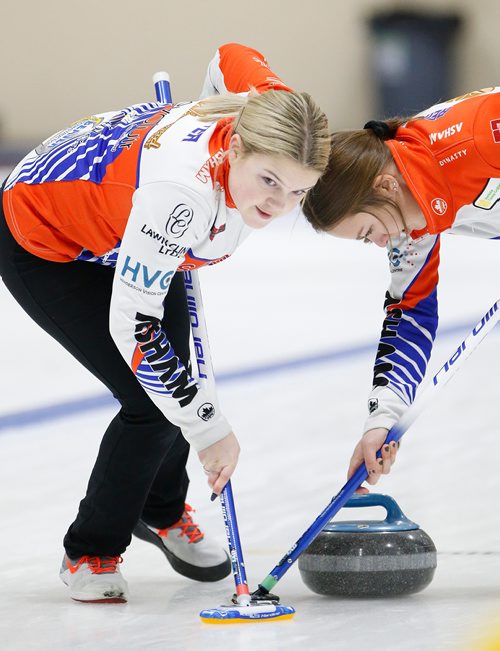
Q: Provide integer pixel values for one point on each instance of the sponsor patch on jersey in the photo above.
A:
(215, 231)
(196, 134)
(372, 405)
(140, 277)
(77, 130)
(203, 174)
(164, 246)
(495, 130)
(453, 157)
(155, 364)
(397, 257)
(490, 196)
(206, 411)
(445, 133)
(439, 206)
(394, 256)
(262, 62)
(435, 115)
(179, 220)
(153, 142)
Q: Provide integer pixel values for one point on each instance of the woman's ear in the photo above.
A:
(235, 149)
(386, 185)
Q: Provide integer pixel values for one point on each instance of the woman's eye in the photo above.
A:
(365, 238)
(299, 193)
(269, 181)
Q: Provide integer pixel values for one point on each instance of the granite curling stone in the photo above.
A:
(370, 558)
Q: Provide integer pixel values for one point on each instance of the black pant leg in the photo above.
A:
(131, 454)
(71, 302)
(164, 508)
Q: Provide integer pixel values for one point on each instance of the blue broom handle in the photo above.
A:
(206, 377)
(161, 81)
(233, 539)
(445, 373)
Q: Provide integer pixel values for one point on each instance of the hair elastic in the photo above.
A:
(381, 129)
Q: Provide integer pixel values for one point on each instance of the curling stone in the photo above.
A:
(370, 558)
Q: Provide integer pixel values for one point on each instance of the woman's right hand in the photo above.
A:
(219, 461)
(366, 450)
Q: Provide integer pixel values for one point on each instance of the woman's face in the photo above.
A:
(380, 226)
(264, 187)
(384, 223)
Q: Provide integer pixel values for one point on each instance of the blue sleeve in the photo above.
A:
(408, 330)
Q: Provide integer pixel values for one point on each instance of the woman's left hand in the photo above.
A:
(366, 450)
(219, 461)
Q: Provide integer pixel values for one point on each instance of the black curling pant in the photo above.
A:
(140, 468)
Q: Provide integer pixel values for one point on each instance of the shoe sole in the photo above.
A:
(111, 600)
(205, 574)
(115, 597)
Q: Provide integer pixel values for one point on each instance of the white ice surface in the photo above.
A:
(287, 294)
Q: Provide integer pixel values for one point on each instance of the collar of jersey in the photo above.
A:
(425, 180)
(220, 139)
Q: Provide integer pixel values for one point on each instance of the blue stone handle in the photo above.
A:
(394, 513)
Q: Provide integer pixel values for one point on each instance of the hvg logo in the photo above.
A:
(140, 273)
(179, 220)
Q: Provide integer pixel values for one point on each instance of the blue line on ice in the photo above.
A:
(66, 408)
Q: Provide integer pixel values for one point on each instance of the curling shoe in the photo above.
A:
(186, 548)
(95, 579)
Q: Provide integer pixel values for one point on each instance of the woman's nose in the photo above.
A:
(380, 240)
(277, 200)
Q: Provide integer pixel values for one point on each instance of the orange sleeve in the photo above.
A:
(244, 68)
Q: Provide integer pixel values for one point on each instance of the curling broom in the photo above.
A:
(244, 608)
(440, 379)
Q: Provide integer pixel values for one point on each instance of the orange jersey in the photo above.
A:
(136, 189)
(449, 156)
(71, 197)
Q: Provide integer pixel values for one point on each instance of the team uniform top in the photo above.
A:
(449, 157)
(143, 189)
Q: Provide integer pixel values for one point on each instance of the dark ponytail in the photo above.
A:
(346, 188)
(381, 129)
